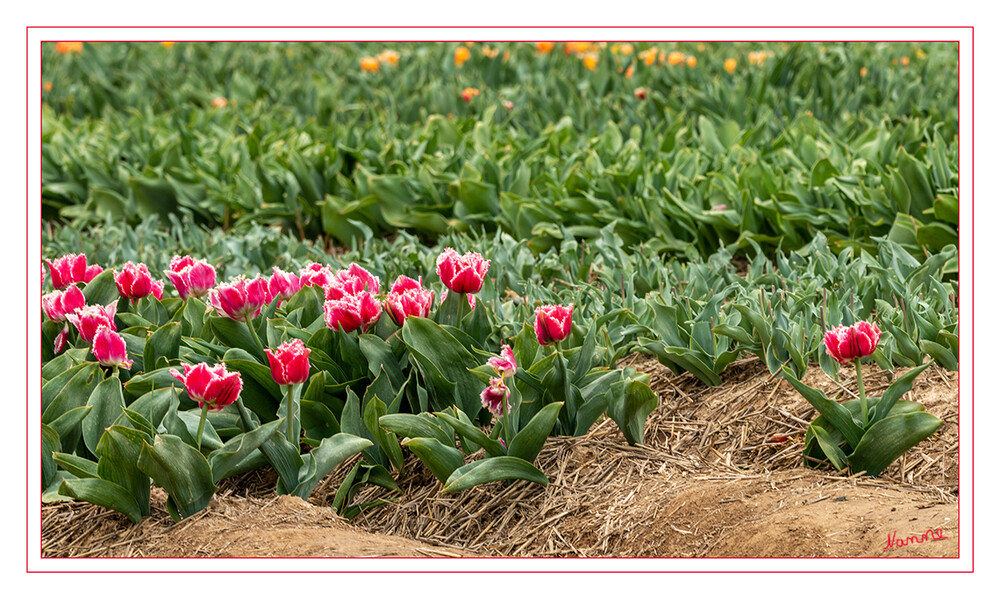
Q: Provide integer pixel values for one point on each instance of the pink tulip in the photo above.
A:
(351, 281)
(109, 348)
(845, 344)
(134, 281)
(211, 385)
(408, 298)
(192, 278)
(89, 318)
(59, 304)
(61, 339)
(71, 269)
(352, 312)
(282, 285)
(553, 323)
(462, 274)
(505, 365)
(495, 396)
(289, 363)
(241, 299)
(315, 274)
(157, 290)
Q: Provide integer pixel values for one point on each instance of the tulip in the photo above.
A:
(282, 285)
(352, 312)
(553, 323)
(640, 93)
(289, 363)
(462, 274)
(495, 397)
(408, 298)
(157, 290)
(505, 365)
(213, 387)
(351, 281)
(369, 64)
(109, 348)
(315, 274)
(134, 281)
(462, 54)
(89, 318)
(240, 300)
(71, 269)
(845, 344)
(469, 93)
(59, 304)
(192, 278)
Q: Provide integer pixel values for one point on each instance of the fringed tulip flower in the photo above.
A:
(211, 386)
(192, 278)
(845, 344)
(408, 298)
(352, 312)
(282, 285)
(315, 274)
(462, 274)
(289, 363)
(240, 300)
(89, 318)
(553, 323)
(59, 304)
(351, 281)
(495, 397)
(505, 365)
(71, 269)
(134, 281)
(109, 348)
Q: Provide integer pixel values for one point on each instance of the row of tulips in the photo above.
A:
(338, 378)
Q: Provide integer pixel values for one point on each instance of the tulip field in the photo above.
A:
(389, 279)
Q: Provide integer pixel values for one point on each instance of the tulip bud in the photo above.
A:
(89, 318)
(408, 298)
(495, 396)
(241, 299)
(289, 363)
(71, 269)
(553, 323)
(462, 274)
(844, 344)
(211, 385)
(282, 285)
(192, 278)
(134, 281)
(352, 312)
(109, 348)
(59, 304)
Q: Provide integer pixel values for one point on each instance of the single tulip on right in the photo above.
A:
(553, 323)
(845, 344)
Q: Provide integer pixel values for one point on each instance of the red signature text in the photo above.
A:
(932, 534)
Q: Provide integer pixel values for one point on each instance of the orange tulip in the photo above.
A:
(590, 60)
(544, 47)
(369, 64)
(905, 61)
(47, 86)
(648, 56)
(388, 57)
(626, 49)
(675, 58)
(863, 71)
(462, 54)
(167, 44)
(469, 93)
(629, 71)
(219, 102)
(729, 65)
(692, 61)
(69, 47)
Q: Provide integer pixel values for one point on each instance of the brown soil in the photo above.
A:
(719, 474)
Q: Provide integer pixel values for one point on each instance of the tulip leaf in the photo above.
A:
(181, 471)
(896, 390)
(101, 290)
(119, 450)
(164, 342)
(384, 440)
(491, 470)
(107, 405)
(430, 340)
(68, 425)
(103, 493)
(331, 452)
(439, 458)
(69, 390)
(629, 403)
(75, 465)
(467, 431)
(235, 334)
(529, 440)
(417, 425)
(224, 460)
(889, 438)
(50, 445)
(380, 357)
(318, 420)
(838, 415)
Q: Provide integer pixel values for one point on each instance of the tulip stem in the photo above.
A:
(253, 333)
(201, 424)
(290, 417)
(861, 393)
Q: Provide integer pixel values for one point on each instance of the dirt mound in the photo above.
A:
(719, 475)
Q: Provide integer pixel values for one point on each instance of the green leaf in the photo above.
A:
(429, 339)
(323, 459)
(629, 404)
(829, 447)
(236, 334)
(119, 450)
(223, 461)
(181, 471)
(530, 440)
(164, 342)
(69, 390)
(839, 416)
(50, 445)
(101, 290)
(942, 355)
(415, 426)
(107, 404)
(75, 465)
(896, 390)
(491, 470)
(466, 430)
(439, 458)
(103, 493)
(889, 438)
(68, 425)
